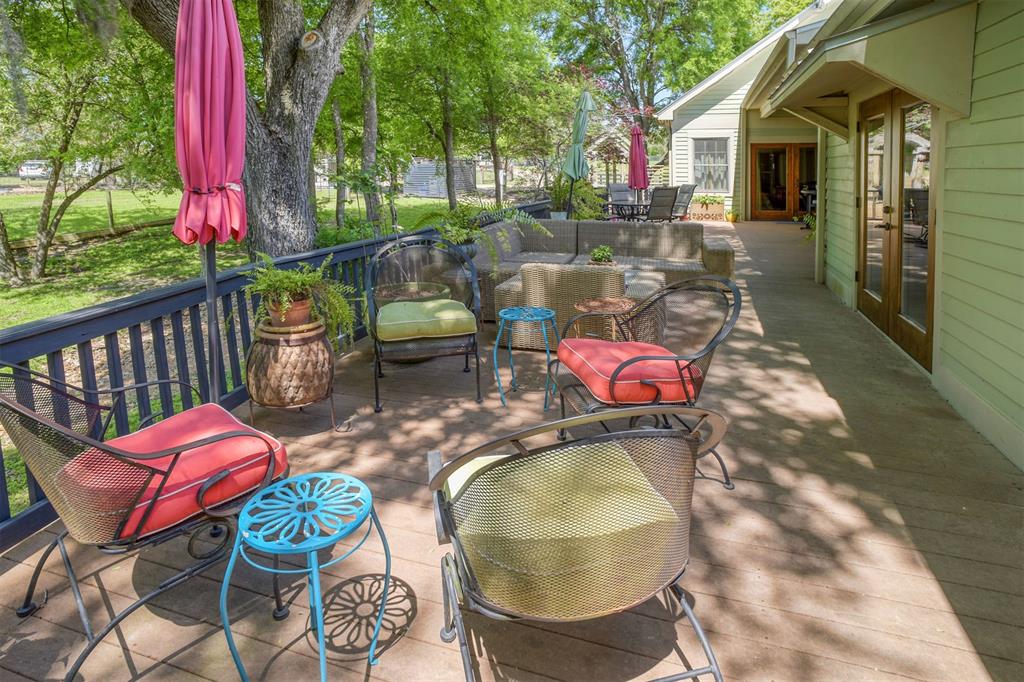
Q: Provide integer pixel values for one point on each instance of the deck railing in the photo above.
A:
(158, 334)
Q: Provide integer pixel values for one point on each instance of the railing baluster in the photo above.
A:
(116, 375)
(163, 370)
(87, 367)
(243, 321)
(199, 351)
(181, 358)
(139, 375)
(5, 491)
(55, 368)
(232, 341)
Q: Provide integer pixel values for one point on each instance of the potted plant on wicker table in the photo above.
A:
(302, 313)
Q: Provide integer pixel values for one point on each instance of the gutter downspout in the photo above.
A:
(821, 177)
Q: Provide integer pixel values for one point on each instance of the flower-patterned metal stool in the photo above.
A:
(303, 515)
(507, 317)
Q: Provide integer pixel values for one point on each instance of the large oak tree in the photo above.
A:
(298, 66)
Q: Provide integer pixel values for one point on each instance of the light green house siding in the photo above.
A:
(980, 307)
(840, 219)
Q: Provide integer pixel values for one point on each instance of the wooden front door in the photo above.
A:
(777, 171)
(895, 273)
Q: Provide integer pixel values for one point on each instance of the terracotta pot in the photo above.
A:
(289, 366)
(299, 312)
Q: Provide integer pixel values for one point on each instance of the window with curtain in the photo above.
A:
(711, 164)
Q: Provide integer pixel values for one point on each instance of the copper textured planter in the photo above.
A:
(298, 313)
(290, 367)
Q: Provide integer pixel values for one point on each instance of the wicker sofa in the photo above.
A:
(675, 250)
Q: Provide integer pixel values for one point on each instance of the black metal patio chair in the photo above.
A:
(181, 476)
(572, 531)
(683, 198)
(423, 301)
(661, 356)
(662, 204)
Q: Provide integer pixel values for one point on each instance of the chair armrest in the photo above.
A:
(434, 466)
(718, 256)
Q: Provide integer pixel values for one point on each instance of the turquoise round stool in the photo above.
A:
(507, 317)
(303, 515)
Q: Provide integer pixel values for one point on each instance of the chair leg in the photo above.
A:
(166, 585)
(376, 383)
(466, 368)
(479, 395)
(726, 479)
(453, 625)
(712, 666)
(29, 607)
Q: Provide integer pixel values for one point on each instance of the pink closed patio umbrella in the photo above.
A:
(638, 180)
(209, 134)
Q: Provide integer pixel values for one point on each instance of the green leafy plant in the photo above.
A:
(280, 288)
(811, 220)
(586, 204)
(467, 223)
(602, 254)
(356, 228)
(709, 199)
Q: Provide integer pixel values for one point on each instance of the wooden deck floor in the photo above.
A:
(872, 534)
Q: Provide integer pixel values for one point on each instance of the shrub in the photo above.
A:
(709, 199)
(356, 228)
(602, 254)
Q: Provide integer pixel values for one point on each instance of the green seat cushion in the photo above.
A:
(424, 319)
(571, 535)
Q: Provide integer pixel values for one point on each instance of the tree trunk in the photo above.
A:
(339, 162)
(448, 141)
(492, 131)
(298, 68)
(393, 189)
(45, 234)
(369, 82)
(10, 272)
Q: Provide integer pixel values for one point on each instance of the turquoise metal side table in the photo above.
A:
(303, 515)
(507, 317)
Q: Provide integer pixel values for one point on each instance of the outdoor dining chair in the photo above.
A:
(662, 205)
(683, 198)
(572, 531)
(422, 302)
(661, 356)
(185, 475)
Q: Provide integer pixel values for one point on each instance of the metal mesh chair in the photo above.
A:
(683, 198)
(663, 201)
(119, 495)
(573, 531)
(663, 352)
(422, 260)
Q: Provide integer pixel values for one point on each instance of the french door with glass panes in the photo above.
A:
(895, 273)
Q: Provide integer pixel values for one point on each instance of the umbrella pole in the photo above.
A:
(568, 203)
(212, 328)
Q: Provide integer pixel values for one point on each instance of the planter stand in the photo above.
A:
(290, 368)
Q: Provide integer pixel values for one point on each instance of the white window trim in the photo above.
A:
(730, 161)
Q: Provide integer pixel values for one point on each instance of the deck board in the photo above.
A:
(873, 534)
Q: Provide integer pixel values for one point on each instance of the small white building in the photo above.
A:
(719, 142)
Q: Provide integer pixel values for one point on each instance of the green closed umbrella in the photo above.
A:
(575, 165)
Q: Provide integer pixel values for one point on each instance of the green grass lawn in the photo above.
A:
(106, 269)
(89, 212)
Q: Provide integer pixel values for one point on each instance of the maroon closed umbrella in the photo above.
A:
(209, 135)
(638, 179)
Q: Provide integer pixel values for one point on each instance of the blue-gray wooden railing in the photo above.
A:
(172, 319)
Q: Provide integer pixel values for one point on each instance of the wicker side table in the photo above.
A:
(606, 304)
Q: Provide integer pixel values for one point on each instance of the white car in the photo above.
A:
(34, 170)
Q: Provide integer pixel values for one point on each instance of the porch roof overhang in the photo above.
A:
(927, 52)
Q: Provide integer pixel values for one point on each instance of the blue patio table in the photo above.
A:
(507, 317)
(303, 515)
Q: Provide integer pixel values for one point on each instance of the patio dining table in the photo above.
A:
(628, 210)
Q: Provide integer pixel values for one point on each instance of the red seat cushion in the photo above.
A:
(245, 457)
(593, 361)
